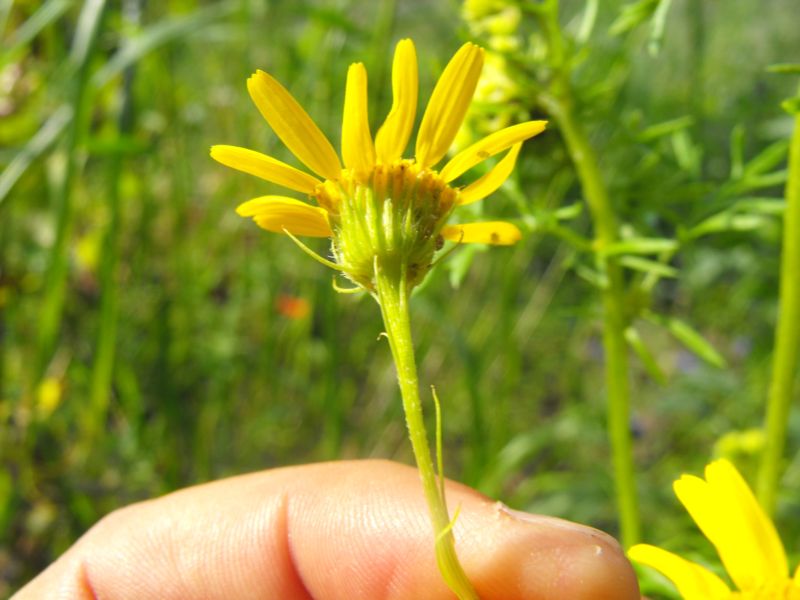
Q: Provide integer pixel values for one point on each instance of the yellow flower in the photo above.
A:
(728, 514)
(380, 207)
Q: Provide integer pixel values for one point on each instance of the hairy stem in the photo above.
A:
(392, 295)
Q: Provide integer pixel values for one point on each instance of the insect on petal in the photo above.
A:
(489, 146)
(496, 233)
(487, 184)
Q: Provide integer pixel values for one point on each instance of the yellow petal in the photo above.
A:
(497, 233)
(489, 146)
(448, 105)
(276, 213)
(392, 137)
(728, 514)
(293, 125)
(265, 167)
(358, 150)
(693, 581)
(492, 180)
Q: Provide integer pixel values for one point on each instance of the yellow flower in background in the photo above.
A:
(726, 511)
(380, 207)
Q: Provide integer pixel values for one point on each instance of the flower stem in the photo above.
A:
(392, 294)
(787, 336)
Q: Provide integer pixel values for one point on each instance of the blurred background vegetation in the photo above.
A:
(151, 339)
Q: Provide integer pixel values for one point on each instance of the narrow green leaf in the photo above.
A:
(88, 22)
(640, 246)
(665, 128)
(5, 10)
(597, 279)
(588, 21)
(569, 212)
(163, 32)
(767, 159)
(643, 352)
(36, 146)
(459, 263)
(791, 105)
(690, 338)
(758, 182)
(763, 206)
(785, 68)
(632, 15)
(645, 265)
(737, 152)
(47, 13)
(728, 220)
(687, 153)
(658, 26)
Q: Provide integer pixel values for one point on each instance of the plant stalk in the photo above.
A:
(787, 337)
(392, 294)
(57, 273)
(557, 100)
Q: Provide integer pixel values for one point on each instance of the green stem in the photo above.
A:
(50, 315)
(787, 336)
(559, 104)
(392, 294)
(103, 367)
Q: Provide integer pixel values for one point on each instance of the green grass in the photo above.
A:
(155, 307)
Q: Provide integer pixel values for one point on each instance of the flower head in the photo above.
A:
(379, 207)
(727, 513)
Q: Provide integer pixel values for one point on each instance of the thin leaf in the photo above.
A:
(569, 212)
(737, 152)
(643, 352)
(757, 182)
(88, 22)
(588, 21)
(687, 153)
(632, 15)
(728, 221)
(774, 207)
(791, 105)
(785, 68)
(767, 159)
(47, 13)
(459, 264)
(665, 128)
(597, 279)
(690, 338)
(658, 26)
(163, 32)
(645, 265)
(640, 246)
(36, 146)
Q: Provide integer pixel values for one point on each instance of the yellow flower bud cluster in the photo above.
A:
(496, 96)
(496, 21)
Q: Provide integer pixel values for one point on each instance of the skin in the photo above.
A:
(325, 531)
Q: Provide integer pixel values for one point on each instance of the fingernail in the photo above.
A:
(556, 523)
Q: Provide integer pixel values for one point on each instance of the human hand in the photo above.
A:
(351, 530)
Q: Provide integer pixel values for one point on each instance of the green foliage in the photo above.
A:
(163, 350)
